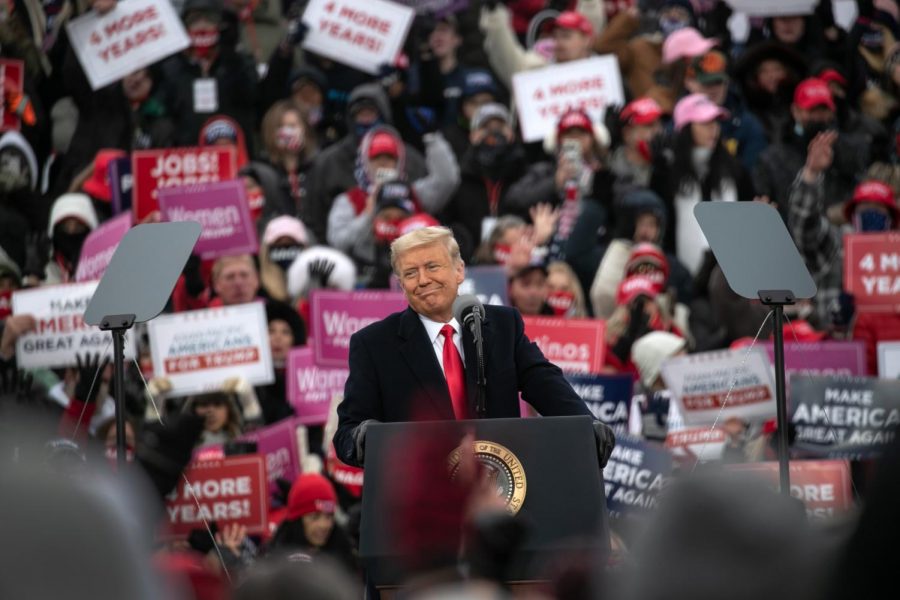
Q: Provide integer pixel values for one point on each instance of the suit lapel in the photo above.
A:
(418, 352)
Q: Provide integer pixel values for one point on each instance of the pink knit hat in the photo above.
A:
(686, 43)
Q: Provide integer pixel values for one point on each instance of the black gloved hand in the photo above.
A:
(15, 385)
(612, 119)
(165, 450)
(88, 385)
(193, 278)
(319, 272)
(638, 325)
(200, 539)
(842, 310)
(37, 254)
(359, 439)
(606, 441)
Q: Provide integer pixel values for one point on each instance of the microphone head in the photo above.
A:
(463, 306)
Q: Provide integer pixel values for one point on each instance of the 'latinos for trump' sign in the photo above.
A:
(152, 170)
(363, 34)
(197, 350)
(573, 345)
(872, 270)
(544, 95)
(134, 34)
(223, 213)
(60, 332)
(338, 315)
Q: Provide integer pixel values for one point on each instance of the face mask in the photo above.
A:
(5, 304)
(501, 253)
(284, 256)
(289, 138)
(256, 200)
(203, 40)
(69, 245)
(561, 302)
(14, 172)
(385, 230)
(809, 131)
(667, 26)
(643, 148)
(492, 158)
(871, 220)
(361, 129)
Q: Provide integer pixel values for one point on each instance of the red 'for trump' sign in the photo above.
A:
(230, 490)
(573, 345)
(872, 270)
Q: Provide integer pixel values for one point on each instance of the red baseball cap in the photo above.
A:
(419, 221)
(642, 111)
(833, 76)
(383, 143)
(571, 19)
(310, 493)
(813, 92)
(634, 286)
(647, 253)
(98, 186)
(574, 119)
(875, 192)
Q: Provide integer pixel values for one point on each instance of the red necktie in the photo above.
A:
(455, 374)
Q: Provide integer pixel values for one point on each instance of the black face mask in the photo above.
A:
(69, 245)
(284, 256)
(809, 131)
(493, 158)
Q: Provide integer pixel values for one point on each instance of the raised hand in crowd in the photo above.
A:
(231, 538)
(819, 156)
(320, 270)
(37, 254)
(14, 326)
(88, 376)
(544, 217)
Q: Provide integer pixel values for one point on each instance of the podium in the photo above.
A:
(546, 469)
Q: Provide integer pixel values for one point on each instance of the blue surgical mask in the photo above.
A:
(871, 221)
(361, 129)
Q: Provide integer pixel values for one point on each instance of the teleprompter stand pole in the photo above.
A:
(778, 299)
(117, 325)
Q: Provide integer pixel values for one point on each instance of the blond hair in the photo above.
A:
(425, 237)
(574, 286)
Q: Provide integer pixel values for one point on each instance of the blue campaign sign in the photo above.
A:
(608, 397)
(634, 476)
(120, 183)
(488, 283)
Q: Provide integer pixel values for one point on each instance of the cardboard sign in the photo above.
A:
(489, 283)
(822, 485)
(635, 474)
(277, 443)
(772, 8)
(197, 350)
(438, 8)
(153, 170)
(99, 247)
(701, 383)
(223, 213)
(688, 445)
(61, 331)
(824, 358)
(121, 184)
(889, 360)
(844, 417)
(872, 270)
(363, 34)
(573, 345)
(12, 77)
(544, 95)
(608, 397)
(230, 490)
(134, 34)
(338, 315)
(311, 387)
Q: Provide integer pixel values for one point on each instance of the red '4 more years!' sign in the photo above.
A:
(872, 270)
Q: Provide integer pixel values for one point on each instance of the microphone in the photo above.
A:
(468, 310)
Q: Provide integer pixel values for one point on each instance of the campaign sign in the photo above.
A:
(338, 315)
(872, 270)
(720, 385)
(822, 485)
(311, 387)
(488, 283)
(277, 443)
(821, 358)
(363, 34)
(573, 345)
(773, 8)
(688, 445)
(198, 349)
(134, 34)
(228, 491)
(544, 95)
(889, 360)
(12, 78)
(223, 213)
(153, 170)
(844, 417)
(633, 477)
(608, 397)
(61, 332)
(120, 183)
(99, 247)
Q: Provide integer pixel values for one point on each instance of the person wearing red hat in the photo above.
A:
(309, 526)
(871, 208)
(639, 122)
(813, 111)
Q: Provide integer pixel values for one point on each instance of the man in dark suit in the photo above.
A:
(400, 369)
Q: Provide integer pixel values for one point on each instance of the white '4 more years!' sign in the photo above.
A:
(199, 349)
(60, 331)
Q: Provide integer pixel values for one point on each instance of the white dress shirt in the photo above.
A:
(433, 329)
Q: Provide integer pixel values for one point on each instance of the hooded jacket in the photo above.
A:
(21, 208)
(68, 205)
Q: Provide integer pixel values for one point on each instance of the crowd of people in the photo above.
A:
(595, 222)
